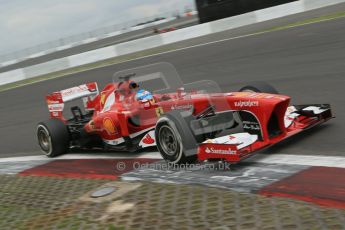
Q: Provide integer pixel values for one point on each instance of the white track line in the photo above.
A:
(283, 27)
(326, 161)
(148, 155)
(271, 30)
(284, 159)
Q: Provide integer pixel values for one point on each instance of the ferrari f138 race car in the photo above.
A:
(150, 106)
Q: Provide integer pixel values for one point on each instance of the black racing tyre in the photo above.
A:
(53, 137)
(172, 138)
(259, 87)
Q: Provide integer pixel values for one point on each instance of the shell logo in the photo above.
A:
(109, 126)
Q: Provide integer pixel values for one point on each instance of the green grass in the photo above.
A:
(166, 48)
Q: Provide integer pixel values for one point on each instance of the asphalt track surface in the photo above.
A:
(305, 62)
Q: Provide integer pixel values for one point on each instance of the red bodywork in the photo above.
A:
(265, 106)
(117, 115)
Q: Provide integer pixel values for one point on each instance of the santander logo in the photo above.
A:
(148, 139)
(220, 151)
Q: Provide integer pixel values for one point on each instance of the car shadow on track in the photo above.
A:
(113, 153)
(300, 137)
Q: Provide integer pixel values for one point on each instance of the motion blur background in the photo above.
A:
(30, 29)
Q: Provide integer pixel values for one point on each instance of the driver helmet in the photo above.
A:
(143, 95)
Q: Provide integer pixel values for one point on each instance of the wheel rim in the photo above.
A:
(44, 140)
(168, 140)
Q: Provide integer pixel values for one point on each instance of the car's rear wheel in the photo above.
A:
(259, 87)
(53, 137)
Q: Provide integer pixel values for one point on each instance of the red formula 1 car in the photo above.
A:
(150, 106)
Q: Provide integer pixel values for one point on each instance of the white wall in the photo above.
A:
(91, 56)
(164, 39)
(12, 76)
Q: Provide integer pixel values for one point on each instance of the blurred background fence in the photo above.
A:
(94, 35)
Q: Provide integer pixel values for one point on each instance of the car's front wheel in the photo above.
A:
(173, 139)
(53, 137)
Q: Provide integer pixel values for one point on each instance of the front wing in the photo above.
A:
(236, 147)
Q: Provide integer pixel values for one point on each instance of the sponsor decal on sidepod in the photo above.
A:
(148, 139)
(182, 107)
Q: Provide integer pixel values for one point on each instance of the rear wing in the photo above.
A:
(56, 101)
